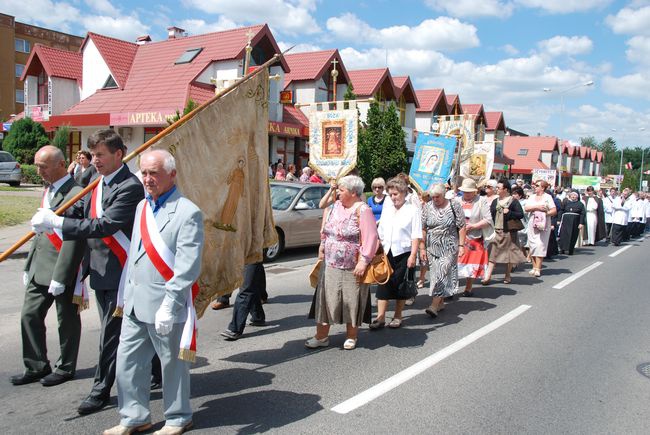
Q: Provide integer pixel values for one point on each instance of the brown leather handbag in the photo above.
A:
(379, 269)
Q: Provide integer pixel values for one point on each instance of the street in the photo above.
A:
(563, 353)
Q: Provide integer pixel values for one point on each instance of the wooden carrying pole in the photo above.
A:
(147, 145)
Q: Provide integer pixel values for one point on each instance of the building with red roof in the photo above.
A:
(136, 86)
(495, 131)
(433, 103)
(531, 152)
(453, 105)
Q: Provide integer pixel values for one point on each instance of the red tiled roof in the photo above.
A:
(312, 65)
(56, 63)
(429, 99)
(584, 152)
(117, 54)
(494, 121)
(453, 99)
(534, 144)
(200, 93)
(599, 156)
(155, 82)
(403, 86)
(366, 82)
(475, 109)
(293, 115)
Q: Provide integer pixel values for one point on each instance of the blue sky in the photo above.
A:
(501, 53)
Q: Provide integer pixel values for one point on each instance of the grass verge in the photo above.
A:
(17, 209)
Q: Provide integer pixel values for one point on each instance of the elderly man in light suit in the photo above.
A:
(155, 308)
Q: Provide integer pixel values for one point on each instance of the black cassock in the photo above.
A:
(572, 214)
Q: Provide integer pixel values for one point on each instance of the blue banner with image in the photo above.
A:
(432, 160)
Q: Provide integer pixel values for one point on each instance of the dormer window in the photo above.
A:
(188, 56)
(110, 83)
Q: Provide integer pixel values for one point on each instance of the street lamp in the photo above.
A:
(562, 92)
(642, 155)
(620, 166)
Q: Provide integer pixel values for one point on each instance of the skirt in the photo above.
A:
(506, 249)
(342, 298)
(388, 291)
(475, 260)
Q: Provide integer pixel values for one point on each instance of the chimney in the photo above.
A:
(141, 40)
(175, 32)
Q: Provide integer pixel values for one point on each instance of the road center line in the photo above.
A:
(577, 275)
(624, 248)
(419, 367)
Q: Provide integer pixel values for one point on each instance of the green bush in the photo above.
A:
(30, 175)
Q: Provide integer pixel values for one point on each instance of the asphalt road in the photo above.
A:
(521, 358)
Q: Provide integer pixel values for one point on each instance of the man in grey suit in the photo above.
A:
(50, 277)
(156, 300)
(107, 227)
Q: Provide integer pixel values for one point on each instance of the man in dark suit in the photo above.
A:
(50, 276)
(107, 222)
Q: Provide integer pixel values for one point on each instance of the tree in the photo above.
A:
(191, 105)
(349, 93)
(62, 139)
(24, 139)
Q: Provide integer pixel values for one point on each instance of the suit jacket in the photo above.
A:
(83, 178)
(120, 199)
(180, 223)
(44, 263)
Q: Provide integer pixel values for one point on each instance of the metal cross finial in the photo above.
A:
(335, 73)
(249, 35)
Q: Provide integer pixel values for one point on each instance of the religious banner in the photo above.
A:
(478, 166)
(222, 162)
(333, 140)
(432, 160)
(581, 182)
(462, 126)
(548, 175)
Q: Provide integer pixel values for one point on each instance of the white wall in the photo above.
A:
(409, 116)
(95, 70)
(65, 94)
(423, 121)
(31, 90)
(304, 92)
(227, 70)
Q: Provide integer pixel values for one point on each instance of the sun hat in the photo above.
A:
(468, 185)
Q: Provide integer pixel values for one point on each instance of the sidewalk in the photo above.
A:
(10, 235)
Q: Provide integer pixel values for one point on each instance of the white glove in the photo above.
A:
(56, 288)
(45, 219)
(25, 279)
(164, 318)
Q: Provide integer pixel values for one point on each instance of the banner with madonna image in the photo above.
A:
(333, 140)
(432, 160)
(478, 165)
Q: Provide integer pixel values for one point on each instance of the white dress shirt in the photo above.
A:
(399, 227)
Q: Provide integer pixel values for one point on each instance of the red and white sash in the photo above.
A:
(80, 296)
(163, 260)
(118, 243)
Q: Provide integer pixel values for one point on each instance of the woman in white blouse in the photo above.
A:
(400, 231)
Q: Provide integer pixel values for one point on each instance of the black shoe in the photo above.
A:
(92, 404)
(257, 323)
(156, 384)
(28, 378)
(230, 336)
(55, 379)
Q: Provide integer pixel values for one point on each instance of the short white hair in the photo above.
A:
(438, 189)
(169, 162)
(306, 170)
(352, 183)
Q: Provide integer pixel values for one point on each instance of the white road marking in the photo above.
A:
(623, 249)
(577, 275)
(419, 367)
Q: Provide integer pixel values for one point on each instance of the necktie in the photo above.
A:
(50, 193)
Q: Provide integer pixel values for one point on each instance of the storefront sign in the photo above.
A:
(284, 129)
(286, 97)
(142, 118)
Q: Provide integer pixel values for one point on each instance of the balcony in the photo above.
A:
(39, 112)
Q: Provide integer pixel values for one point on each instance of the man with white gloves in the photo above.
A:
(51, 275)
(163, 266)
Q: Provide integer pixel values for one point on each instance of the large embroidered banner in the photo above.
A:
(478, 165)
(222, 161)
(432, 160)
(333, 139)
(461, 126)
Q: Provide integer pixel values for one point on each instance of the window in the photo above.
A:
(188, 56)
(523, 152)
(20, 96)
(19, 70)
(402, 111)
(22, 45)
(110, 83)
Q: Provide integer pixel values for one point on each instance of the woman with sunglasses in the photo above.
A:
(376, 201)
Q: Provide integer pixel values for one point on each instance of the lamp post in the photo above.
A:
(562, 92)
(642, 155)
(620, 166)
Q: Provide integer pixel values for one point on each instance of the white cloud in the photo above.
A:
(442, 33)
(564, 6)
(286, 16)
(473, 8)
(639, 50)
(510, 49)
(198, 27)
(103, 7)
(46, 13)
(630, 21)
(631, 85)
(564, 45)
(588, 120)
(127, 28)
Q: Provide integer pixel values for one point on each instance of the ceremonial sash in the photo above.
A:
(80, 296)
(163, 260)
(118, 243)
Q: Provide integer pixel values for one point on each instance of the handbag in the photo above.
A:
(515, 225)
(379, 270)
(407, 289)
(315, 273)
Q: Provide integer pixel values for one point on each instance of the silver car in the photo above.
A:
(10, 171)
(296, 214)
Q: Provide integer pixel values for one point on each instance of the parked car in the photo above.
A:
(296, 215)
(10, 171)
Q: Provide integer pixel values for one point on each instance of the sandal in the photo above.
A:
(468, 294)
(485, 281)
(377, 324)
(395, 323)
(420, 284)
(507, 280)
(431, 311)
(350, 344)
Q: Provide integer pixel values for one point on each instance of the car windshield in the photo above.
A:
(282, 196)
(6, 157)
